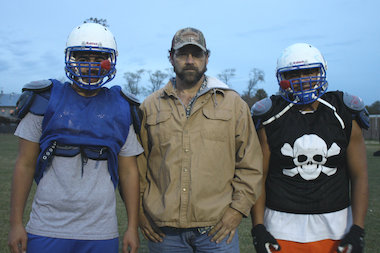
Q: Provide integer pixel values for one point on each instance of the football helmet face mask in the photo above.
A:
(90, 39)
(303, 88)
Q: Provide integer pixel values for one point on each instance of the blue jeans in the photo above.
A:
(189, 240)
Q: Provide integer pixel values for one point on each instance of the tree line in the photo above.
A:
(251, 94)
(157, 79)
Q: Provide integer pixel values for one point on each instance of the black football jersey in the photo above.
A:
(308, 171)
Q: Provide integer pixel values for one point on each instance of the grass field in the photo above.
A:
(8, 153)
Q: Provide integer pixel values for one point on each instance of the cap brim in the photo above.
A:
(189, 43)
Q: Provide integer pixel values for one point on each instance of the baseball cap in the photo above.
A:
(189, 36)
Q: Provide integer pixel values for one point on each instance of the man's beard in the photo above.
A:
(190, 79)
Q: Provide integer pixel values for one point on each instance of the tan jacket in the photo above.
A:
(198, 166)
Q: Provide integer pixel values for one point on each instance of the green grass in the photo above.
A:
(8, 154)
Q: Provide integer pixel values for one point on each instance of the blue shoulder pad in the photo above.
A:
(356, 106)
(259, 109)
(353, 102)
(130, 97)
(34, 99)
(37, 85)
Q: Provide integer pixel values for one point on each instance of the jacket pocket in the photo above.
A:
(159, 125)
(159, 117)
(218, 125)
(217, 114)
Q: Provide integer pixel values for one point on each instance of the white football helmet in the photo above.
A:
(91, 38)
(303, 90)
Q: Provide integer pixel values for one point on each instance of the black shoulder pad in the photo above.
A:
(34, 99)
(356, 106)
(259, 109)
(130, 97)
(38, 86)
(134, 104)
(136, 117)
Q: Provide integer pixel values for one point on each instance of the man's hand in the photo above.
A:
(149, 230)
(353, 241)
(226, 226)
(131, 241)
(17, 239)
(263, 241)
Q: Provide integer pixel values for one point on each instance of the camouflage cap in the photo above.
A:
(189, 36)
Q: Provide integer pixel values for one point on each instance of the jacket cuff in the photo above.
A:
(241, 205)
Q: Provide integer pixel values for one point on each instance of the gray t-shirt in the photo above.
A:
(70, 205)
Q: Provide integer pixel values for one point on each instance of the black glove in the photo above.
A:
(353, 241)
(263, 240)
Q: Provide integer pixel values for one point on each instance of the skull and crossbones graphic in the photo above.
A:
(309, 154)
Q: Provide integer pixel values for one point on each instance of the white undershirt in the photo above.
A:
(305, 228)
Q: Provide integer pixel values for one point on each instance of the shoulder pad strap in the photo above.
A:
(261, 107)
(356, 106)
(353, 102)
(37, 85)
(130, 97)
(34, 101)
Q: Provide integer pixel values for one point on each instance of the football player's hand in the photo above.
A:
(353, 241)
(17, 239)
(131, 241)
(263, 241)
